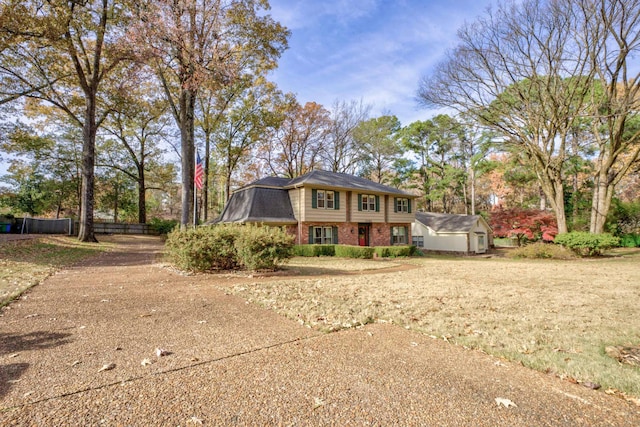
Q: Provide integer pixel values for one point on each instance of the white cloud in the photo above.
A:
(373, 50)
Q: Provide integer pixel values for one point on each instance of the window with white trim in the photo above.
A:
(325, 199)
(399, 235)
(368, 202)
(402, 205)
(322, 235)
(418, 241)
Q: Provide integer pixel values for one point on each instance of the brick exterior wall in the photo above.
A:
(380, 234)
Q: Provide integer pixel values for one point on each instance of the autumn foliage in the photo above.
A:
(524, 224)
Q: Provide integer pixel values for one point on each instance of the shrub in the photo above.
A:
(163, 226)
(394, 251)
(263, 248)
(203, 248)
(541, 250)
(346, 251)
(584, 243)
(630, 241)
(229, 247)
(314, 250)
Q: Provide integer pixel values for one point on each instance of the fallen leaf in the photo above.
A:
(195, 421)
(592, 386)
(107, 367)
(11, 356)
(75, 362)
(27, 394)
(505, 402)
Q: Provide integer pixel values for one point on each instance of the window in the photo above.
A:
(398, 235)
(322, 199)
(402, 205)
(368, 202)
(418, 241)
(322, 235)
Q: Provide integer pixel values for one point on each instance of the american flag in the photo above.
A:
(198, 178)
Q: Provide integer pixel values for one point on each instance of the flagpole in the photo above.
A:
(195, 193)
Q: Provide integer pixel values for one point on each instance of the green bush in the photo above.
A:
(228, 247)
(263, 248)
(630, 241)
(163, 226)
(346, 251)
(314, 250)
(203, 248)
(541, 250)
(394, 251)
(588, 244)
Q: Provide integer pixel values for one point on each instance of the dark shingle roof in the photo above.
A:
(260, 205)
(325, 179)
(451, 223)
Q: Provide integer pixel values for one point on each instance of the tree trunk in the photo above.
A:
(115, 202)
(142, 199)
(600, 204)
(187, 103)
(205, 187)
(556, 199)
(86, 233)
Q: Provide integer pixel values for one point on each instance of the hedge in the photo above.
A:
(395, 251)
(314, 250)
(630, 240)
(347, 251)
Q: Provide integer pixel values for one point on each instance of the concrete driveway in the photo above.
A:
(81, 349)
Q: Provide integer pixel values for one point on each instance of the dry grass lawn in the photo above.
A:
(25, 263)
(554, 316)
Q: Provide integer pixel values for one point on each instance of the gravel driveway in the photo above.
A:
(81, 349)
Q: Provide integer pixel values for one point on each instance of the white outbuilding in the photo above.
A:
(467, 234)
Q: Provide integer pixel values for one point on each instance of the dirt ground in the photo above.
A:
(81, 349)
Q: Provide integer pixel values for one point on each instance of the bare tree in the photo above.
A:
(298, 136)
(612, 38)
(520, 71)
(339, 153)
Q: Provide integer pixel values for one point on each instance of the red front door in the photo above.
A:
(363, 235)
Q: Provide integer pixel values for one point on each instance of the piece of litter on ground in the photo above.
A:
(11, 356)
(202, 321)
(499, 363)
(107, 367)
(75, 362)
(414, 344)
(162, 352)
(318, 402)
(195, 421)
(146, 362)
(505, 402)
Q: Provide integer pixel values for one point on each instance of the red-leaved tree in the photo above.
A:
(523, 224)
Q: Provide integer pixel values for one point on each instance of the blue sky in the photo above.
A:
(374, 50)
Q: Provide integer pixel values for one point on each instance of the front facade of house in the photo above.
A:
(327, 208)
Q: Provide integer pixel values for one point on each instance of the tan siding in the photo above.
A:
(294, 196)
(366, 216)
(324, 215)
(401, 216)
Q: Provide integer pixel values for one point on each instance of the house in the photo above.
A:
(323, 207)
(451, 233)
